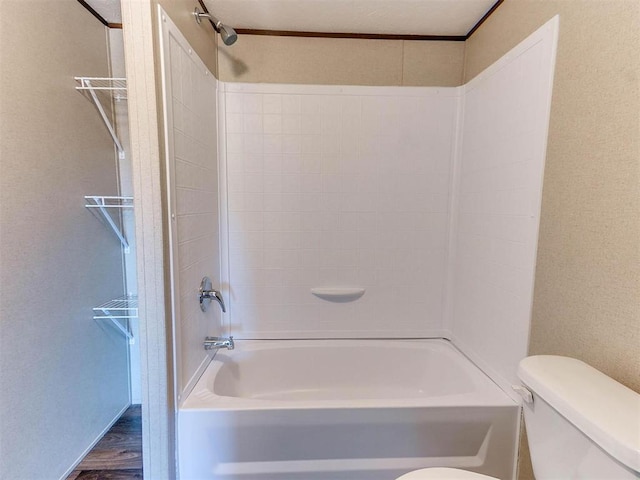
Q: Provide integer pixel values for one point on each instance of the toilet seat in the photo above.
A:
(444, 474)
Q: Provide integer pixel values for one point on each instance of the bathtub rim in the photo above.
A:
(202, 397)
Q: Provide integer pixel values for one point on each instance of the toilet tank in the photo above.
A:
(581, 423)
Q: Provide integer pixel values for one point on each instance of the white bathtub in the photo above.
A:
(343, 409)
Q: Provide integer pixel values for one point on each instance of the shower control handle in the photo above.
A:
(207, 293)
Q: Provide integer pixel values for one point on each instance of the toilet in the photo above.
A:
(581, 424)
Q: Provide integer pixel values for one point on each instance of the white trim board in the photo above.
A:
(158, 442)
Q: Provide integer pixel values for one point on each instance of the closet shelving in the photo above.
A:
(111, 208)
(123, 308)
(103, 204)
(115, 88)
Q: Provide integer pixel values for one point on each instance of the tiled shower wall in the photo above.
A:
(191, 105)
(337, 187)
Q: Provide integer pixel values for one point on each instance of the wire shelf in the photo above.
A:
(117, 86)
(102, 204)
(99, 201)
(123, 308)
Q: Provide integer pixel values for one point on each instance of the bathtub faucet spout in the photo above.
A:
(215, 343)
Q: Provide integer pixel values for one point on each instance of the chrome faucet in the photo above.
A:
(207, 293)
(215, 343)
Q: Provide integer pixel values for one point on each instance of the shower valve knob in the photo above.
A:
(207, 293)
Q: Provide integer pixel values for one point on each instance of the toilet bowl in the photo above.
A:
(581, 424)
(444, 474)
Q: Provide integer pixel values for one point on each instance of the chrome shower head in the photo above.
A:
(228, 34)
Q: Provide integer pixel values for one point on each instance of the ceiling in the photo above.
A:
(109, 10)
(381, 17)
(394, 17)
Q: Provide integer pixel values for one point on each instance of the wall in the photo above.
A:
(588, 274)
(332, 61)
(202, 41)
(588, 266)
(585, 301)
(501, 164)
(64, 375)
(338, 187)
(192, 157)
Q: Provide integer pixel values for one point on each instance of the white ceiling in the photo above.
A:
(399, 17)
(395, 17)
(107, 9)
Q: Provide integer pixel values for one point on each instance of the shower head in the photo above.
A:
(228, 34)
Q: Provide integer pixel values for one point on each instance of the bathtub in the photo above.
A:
(343, 409)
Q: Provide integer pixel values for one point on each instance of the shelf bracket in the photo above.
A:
(102, 204)
(124, 331)
(115, 85)
(124, 308)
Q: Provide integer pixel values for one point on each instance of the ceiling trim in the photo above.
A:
(93, 12)
(369, 36)
(98, 16)
(482, 20)
(291, 33)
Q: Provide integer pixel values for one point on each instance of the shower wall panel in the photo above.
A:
(192, 164)
(337, 187)
(505, 124)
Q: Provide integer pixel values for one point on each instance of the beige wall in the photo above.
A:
(587, 300)
(63, 375)
(587, 292)
(333, 61)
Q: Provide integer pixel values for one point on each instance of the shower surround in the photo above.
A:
(428, 199)
(338, 186)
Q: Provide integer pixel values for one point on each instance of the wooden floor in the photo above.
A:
(118, 455)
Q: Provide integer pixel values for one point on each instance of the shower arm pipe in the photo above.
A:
(215, 23)
(228, 34)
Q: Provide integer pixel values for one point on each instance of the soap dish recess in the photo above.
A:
(338, 294)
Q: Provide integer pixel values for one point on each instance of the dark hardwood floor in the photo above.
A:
(118, 455)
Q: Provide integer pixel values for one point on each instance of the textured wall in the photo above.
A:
(63, 375)
(588, 277)
(264, 59)
(586, 301)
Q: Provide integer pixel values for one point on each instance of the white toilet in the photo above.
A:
(580, 423)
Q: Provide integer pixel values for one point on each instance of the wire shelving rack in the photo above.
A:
(102, 204)
(122, 308)
(117, 90)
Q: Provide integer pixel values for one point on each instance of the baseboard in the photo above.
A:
(93, 443)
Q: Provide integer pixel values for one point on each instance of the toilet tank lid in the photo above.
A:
(603, 409)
